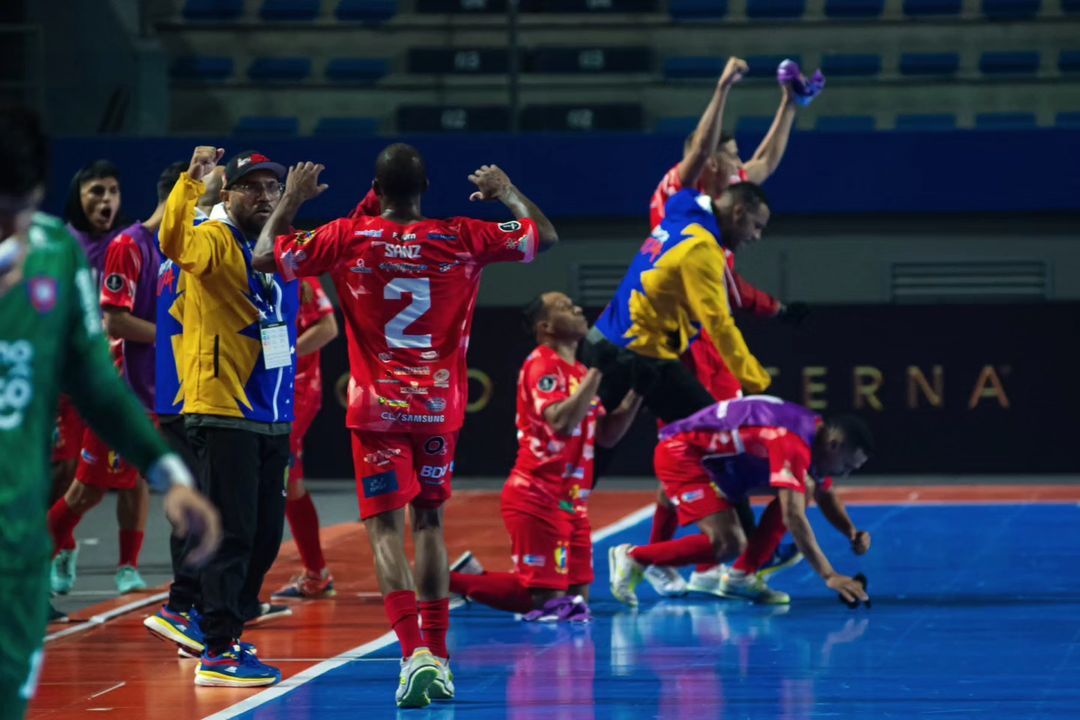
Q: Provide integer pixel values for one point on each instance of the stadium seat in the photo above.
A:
(851, 65)
(562, 60)
(926, 122)
(289, 9)
(583, 117)
(682, 68)
(764, 66)
(770, 9)
(589, 6)
(1009, 63)
(367, 11)
(929, 63)
(846, 123)
(931, 7)
(347, 126)
(204, 69)
(1069, 120)
(697, 9)
(290, 69)
(681, 126)
(356, 70)
(458, 61)
(854, 8)
(456, 118)
(1069, 61)
(755, 124)
(267, 126)
(212, 9)
(1005, 121)
(1010, 9)
(460, 6)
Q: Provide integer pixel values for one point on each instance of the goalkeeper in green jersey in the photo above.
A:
(51, 340)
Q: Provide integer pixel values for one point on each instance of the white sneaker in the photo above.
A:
(418, 672)
(752, 587)
(443, 686)
(665, 580)
(467, 564)
(707, 581)
(625, 573)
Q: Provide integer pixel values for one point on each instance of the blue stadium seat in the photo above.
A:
(681, 126)
(932, 7)
(289, 9)
(764, 66)
(470, 7)
(1069, 120)
(1011, 9)
(697, 9)
(212, 9)
(1069, 61)
(368, 11)
(854, 8)
(356, 70)
(453, 118)
(1009, 63)
(681, 68)
(204, 69)
(945, 121)
(851, 65)
(562, 60)
(929, 63)
(755, 124)
(846, 123)
(583, 117)
(347, 126)
(588, 6)
(1005, 121)
(267, 126)
(759, 9)
(290, 69)
(458, 61)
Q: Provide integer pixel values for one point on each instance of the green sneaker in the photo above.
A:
(62, 571)
(737, 584)
(128, 580)
(625, 573)
(418, 672)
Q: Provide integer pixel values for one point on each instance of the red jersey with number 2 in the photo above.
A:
(407, 293)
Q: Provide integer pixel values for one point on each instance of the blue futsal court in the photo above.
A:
(976, 614)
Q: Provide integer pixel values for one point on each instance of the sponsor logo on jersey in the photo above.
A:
(515, 244)
(435, 404)
(402, 252)
(408, 237)
(381, 457)
(435, 445)
(301, 239)
(360, 267)
(411, 418)
(436, 472)
(393, 403)
(385, 357)
(388, 381)
(414, 390)
(42, 293)
(429, 355)
(441, 236)
(448, 266)
(88, 457)
(368, 233)
(441, 375)
(510, 226)
(16, 376)
(692, 496)
(534, 560)
(113, 461)
(547, 383)
(412, 371)
(380, 484)
(401, 267)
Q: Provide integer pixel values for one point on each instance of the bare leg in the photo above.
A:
(133, 506)
(81, 498)
(386, 533)
(725, 533)
(432, 566)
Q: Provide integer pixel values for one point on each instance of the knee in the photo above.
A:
(427, 519)
(727, 543)
(81, 497)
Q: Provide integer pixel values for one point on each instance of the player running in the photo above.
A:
(750, 446)
(408, 288)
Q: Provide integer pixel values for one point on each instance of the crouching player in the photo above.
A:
(711, 460)
(559, 419)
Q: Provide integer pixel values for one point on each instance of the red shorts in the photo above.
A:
(396, 469)
(102, 468)
(551, 549)
(305, 409)
(70, 429)
(688, 485)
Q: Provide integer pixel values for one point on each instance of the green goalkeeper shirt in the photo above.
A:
(51, 341)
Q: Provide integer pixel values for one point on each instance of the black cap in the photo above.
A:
(249, 161)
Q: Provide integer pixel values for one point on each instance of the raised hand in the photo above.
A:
(302, 181)
(734, 71)
(203, 161)
(491, 182)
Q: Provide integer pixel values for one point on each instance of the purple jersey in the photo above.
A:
(751, 411)
(95, 247)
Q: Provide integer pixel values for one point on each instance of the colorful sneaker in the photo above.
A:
(707, 581)
(180, 628)
(62, 571)
(128, 579)
(467, 564)
(443, 686)
(666, 581)
(236, 667)
(268, 612)
(625, 573)
(752, 587)
(308, 586)
(787, 555)
(418, 672)
(188, 654)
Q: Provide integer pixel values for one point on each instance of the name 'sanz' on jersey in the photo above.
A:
(16, 381)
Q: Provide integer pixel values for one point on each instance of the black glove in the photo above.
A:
(793, 314)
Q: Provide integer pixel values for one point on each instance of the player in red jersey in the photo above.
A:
(407, 286)
(316, 327)
(544, 502)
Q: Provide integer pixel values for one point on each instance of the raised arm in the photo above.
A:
(771, 150)
(301, 185)
(494, 184)
(707, 134)
(177, 232)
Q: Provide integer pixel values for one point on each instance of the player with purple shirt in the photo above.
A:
(758, 445)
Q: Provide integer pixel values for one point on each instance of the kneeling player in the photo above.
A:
(711, 460)
(559, 418)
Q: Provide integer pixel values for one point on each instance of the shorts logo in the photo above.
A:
(435, 445)
(114, 461)
(429, 355)
(693, 495)
(441, 375)
(88, 457)
(510, 226)
(547, 383)
(435, 404)
(562, 554)
(534, 560)
(436, 472)
(381, 484)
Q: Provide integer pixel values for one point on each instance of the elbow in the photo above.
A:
(548, 240)
(112, 324)
(264, 262)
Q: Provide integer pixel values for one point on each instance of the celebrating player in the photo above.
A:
(408, 287)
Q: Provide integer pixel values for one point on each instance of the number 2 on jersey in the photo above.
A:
(420, 290)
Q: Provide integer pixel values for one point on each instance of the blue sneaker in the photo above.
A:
(62, 571)
(236, 667)
(785, 556)
(180, 628)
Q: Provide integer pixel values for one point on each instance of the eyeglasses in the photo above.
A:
(272, 189)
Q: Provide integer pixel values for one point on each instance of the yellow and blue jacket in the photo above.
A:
(225, 303)
(676, 286)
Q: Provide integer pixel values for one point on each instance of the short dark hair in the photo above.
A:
(24, 151)
(747, 193)
(73, 210)
(857, 435)
(535, 311)
(400, 172)
(168, 179)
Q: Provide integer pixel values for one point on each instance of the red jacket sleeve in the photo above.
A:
(748, 298)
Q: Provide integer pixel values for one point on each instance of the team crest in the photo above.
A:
(547, 383)
(42, 293)
(562, 554)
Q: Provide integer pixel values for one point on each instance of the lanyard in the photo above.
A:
(263, 287)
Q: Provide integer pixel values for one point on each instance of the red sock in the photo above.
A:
(130, 545)
(304, 523)
(684, 551)
(434, 622)
(665, 521)
(766, 538)
(502, 591)
(62, 521)
(401, 609)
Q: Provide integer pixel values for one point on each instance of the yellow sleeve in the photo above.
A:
(706, 295)
(178, 231)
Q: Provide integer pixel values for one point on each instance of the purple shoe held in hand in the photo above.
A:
(805, 90)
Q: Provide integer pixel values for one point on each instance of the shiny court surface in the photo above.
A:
(976, 613)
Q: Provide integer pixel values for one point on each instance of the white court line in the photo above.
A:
(102, 618)
(389, 638)
(117, 686)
